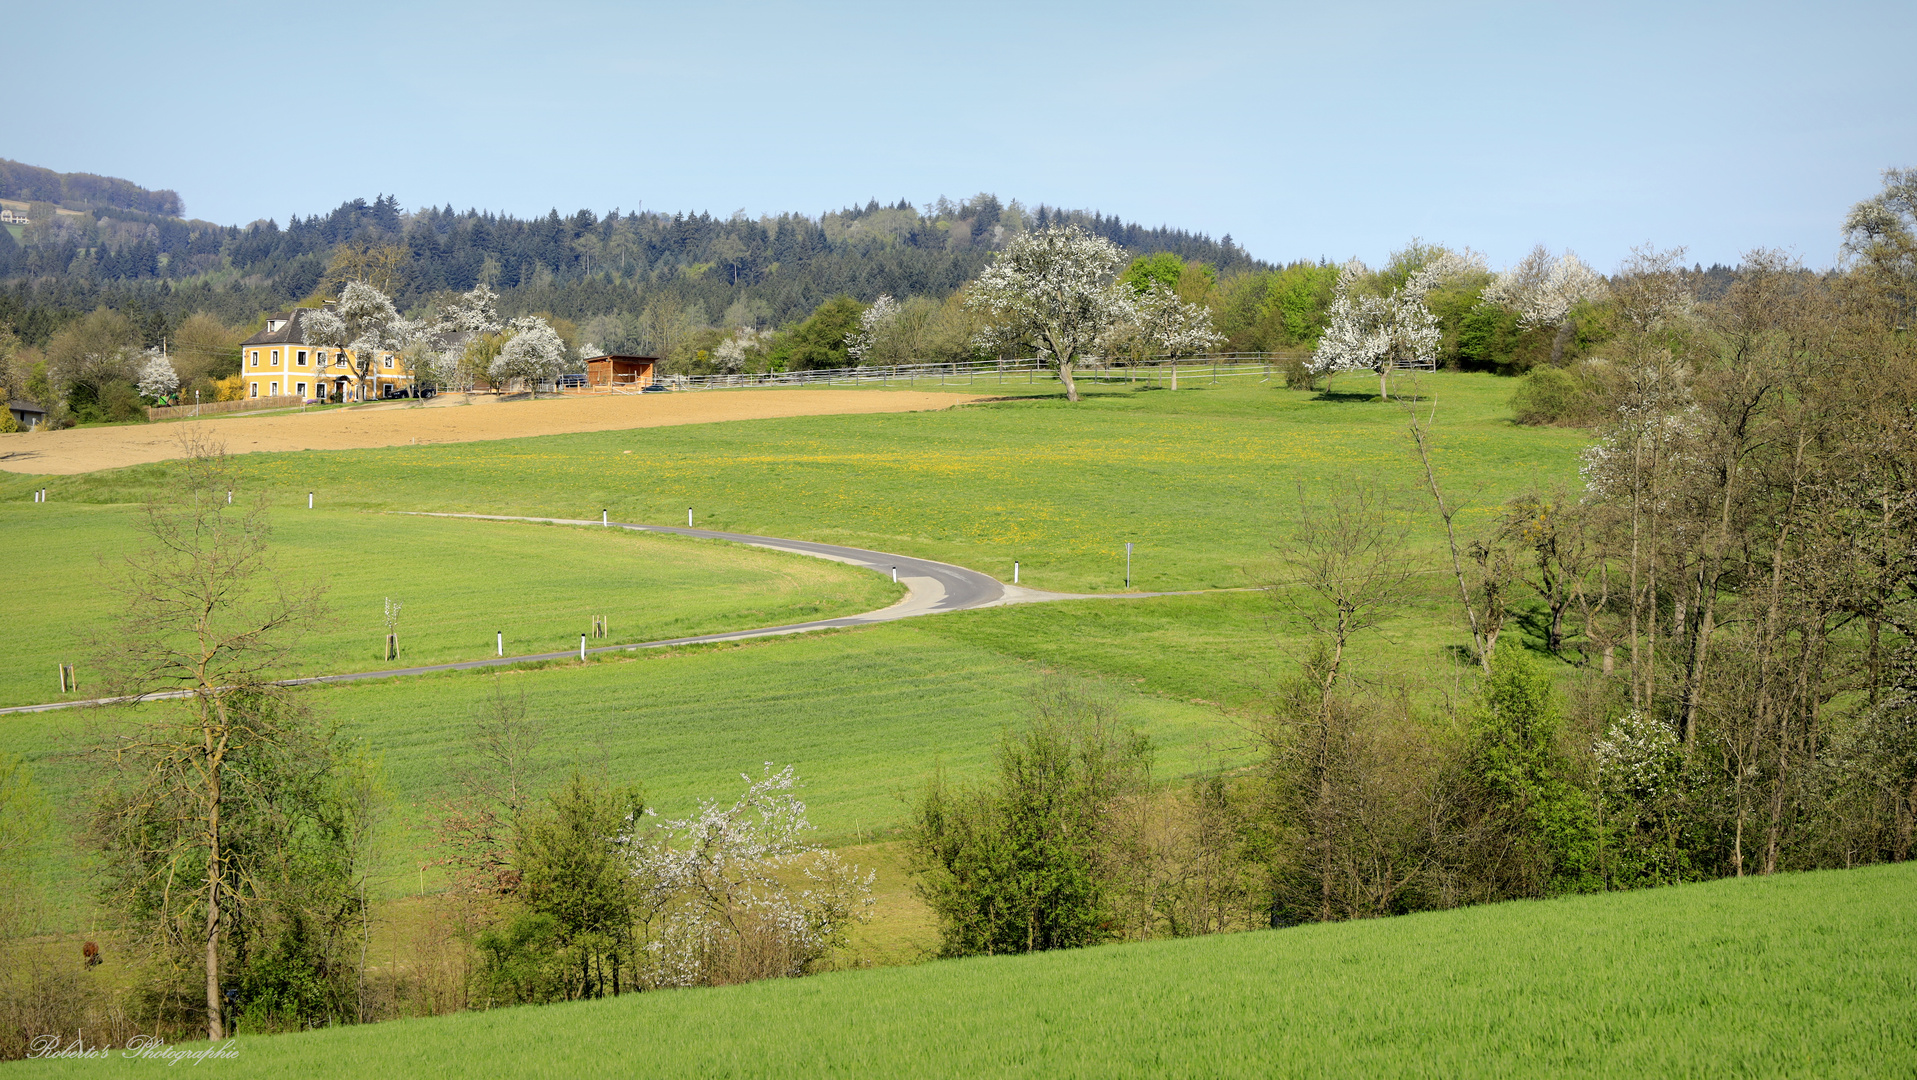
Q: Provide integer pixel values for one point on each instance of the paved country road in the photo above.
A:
(931, 587)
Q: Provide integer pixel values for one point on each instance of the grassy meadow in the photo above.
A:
(1203, 481)
(1794, 975)
(866, 716)
(1206, 478)
(460, 582)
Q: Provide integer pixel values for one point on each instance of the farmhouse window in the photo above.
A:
(274, 390)
(389, 361)
(255, 388)
(302, 358)
(255, 358)
(275, 360)
(300, 390)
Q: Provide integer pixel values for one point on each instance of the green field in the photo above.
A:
(1795, 975)
(865, 715)
(460, 582)
(1203, 481)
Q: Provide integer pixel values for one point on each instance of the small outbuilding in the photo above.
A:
(618, 371)
(28, 415)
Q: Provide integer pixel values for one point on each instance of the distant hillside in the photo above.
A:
(30, 183)
(767, 271)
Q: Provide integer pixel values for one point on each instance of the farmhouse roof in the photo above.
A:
(281, 329)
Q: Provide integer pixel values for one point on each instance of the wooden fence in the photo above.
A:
(214, 408)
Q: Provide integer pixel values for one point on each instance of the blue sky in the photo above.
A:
(1302, 130)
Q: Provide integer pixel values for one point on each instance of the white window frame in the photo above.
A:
(255, 388)
(273, 390)
(255, 359)
(301, 358)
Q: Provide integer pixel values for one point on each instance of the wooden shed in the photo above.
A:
(617, 371)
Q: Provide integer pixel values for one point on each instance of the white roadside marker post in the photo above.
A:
(502, 643)
(309, 500)
(1014, 571)
(582, 648)
(603, 519)
(895, 575)
(688, 517)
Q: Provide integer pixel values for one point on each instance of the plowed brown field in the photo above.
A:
(457, 418)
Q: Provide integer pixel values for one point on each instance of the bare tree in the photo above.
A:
(1420, 424)
(210, 620)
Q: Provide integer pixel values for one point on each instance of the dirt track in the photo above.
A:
(455, 419)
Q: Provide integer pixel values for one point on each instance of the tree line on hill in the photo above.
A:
(30, 183)
(734, 271)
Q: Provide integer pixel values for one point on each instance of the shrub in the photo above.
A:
(1297, 372)
(1025, 861)
(1550, 395)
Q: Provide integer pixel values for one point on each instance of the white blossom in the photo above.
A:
(876, 320)
(1379, 333)
(157, 377)
(476, 312)
(1639, 760)
(1171, 326)
(364, 321)
(535, 352)
(731, 354)
(1053, 288)
(745, 869)
(1543, 288)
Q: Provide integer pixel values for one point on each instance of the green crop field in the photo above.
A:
(460, 582)
(1795, 975)
(865, 715)
(1202, 481)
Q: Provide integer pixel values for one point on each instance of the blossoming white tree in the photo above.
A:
(732, 354)
(725, 887)
(363, 321)
(476, 312)
(1543, 288)
(441, 348)
(535, 353)
(876, 320)
(1170, 326)
(1379, 333)
(1053, 288)
(157, 377)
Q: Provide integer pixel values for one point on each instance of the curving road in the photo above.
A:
(931, 587)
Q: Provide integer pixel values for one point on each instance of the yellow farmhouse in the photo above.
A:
(277, 362)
